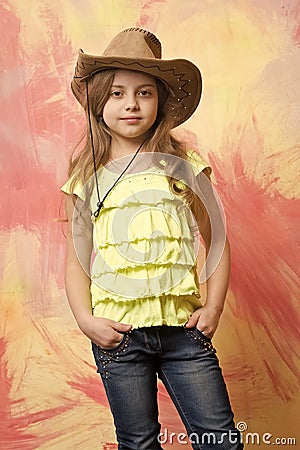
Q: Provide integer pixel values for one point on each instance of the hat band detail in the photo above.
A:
(179, 76)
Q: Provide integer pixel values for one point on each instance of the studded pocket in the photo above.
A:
(118, 349)
(199, 337)
(112, 350)
(104, 358)
(206, 338)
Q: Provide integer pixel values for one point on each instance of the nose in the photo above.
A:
(131, 103)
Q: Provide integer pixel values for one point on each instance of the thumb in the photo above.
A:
(122, 327)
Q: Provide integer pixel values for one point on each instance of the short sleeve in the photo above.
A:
(77, 189)
(197, 162)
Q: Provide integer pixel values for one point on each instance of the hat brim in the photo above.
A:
(181, 75)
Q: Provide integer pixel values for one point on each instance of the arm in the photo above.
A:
(103, 332)
(217, 265)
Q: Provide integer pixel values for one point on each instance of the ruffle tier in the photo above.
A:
(144, 283)
(163, 251)
(155, 311)
(142, 219)
(135, 221)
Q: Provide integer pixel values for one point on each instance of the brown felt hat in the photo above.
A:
(139, 50)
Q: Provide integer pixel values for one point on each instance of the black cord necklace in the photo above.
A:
(100, 202)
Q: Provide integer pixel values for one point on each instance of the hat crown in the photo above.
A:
(134, 43)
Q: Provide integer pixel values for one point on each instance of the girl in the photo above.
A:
(139, 197)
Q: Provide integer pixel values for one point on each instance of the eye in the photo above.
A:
(116, 93)
(145, 93)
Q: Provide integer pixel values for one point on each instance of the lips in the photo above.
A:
(131, 119)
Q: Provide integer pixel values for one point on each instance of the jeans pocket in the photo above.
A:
(112, 353)
(199, 338)
(104, 358)
(196, 330)
(116, 348)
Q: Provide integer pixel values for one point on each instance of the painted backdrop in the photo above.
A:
(247, 126)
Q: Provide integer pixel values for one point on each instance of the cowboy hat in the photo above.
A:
(138, 49)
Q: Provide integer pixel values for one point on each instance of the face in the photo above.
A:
(131, 109)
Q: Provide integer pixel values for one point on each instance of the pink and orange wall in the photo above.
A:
(247, 126)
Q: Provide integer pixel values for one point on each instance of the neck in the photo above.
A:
(124, 147)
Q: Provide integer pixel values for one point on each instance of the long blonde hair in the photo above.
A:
(160, 139)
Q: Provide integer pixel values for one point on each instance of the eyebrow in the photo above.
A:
(137, 87)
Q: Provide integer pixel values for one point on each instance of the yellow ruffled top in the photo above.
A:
(144, 269)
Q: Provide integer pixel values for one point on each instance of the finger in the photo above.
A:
(122, 327)
(206, 331)
(203, 331)
(113, 341)
(192, 322)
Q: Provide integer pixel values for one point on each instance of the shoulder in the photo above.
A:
(197, 162)
(75, 186)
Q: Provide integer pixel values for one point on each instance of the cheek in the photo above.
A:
(155, 114)
(107, 112)
(154, 109)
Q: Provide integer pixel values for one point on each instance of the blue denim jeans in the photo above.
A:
(186, 362)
